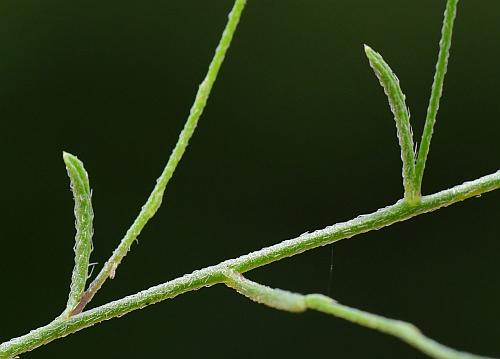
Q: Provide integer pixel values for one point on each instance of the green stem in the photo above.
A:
(405, 331)
(437, 89)
(400, 211)
(297, 303)
(397, 212)
(272, 297)
(155, 199)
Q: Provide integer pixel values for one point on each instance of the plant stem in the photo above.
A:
(400, 211)
(405, 331)
(297, 303)
(272, 297)
(397, 212)
(155, 199)
(437, 89)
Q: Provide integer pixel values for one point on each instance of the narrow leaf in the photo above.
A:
(155, 199)
(84, 229)
(390, 83)
(437, 89)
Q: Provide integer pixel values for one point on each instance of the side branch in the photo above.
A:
(295, 302)
(405, 331)
(155, 199)
(398, 212)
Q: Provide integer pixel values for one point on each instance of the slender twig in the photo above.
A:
(297, 303)
(411, 205)
(397, 212)
(84, 228)
(272, 297)
(155, 199)
(437, 89)
(405, 331)
(392, 89)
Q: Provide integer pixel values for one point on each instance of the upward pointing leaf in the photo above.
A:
(84, 229)
(155, 199)
(390, 83)
(437, 89)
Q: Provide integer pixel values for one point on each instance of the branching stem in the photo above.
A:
(229, 271)
(397, 212)
(295, 302)
(155, 199)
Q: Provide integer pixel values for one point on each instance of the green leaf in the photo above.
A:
(390, 83)
(437, 89)
(156, 197)
(84, 228)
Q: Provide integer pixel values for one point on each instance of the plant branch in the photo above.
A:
(155, 199)
(272, 297)
(400, 211)
(405, 331)
(437, 88)
(297, 303)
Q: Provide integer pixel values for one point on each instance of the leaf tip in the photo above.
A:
(71, 159)
(370, 53)
(68, 156)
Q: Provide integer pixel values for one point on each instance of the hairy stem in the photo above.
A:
(155, 199)
(437, 89)
(295, 302)
(397, 212)
(272, 297)
(405, 331)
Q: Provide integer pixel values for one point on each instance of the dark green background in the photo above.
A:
(297, 135)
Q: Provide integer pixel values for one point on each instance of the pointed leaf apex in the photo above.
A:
(69, 157)
(371, 54)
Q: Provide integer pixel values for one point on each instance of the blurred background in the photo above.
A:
(297, 135)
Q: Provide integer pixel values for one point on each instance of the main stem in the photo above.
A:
(400, 211)
(155, 199)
